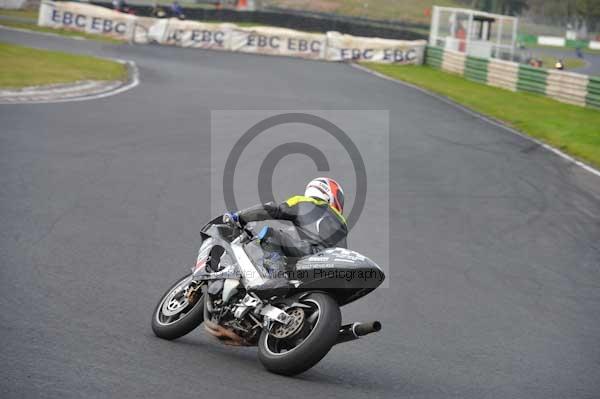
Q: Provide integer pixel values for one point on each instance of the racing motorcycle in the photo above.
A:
(294, 324)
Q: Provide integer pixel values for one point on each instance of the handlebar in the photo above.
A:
(239, 229)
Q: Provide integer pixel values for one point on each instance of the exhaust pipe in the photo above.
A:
(353, 331)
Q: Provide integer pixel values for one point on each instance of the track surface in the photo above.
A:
(495, 288)
(592, 61)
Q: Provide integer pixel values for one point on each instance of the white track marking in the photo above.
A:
(134, 80)
(483, 118)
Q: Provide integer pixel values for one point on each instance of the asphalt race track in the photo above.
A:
(592, 61)
(494, 290)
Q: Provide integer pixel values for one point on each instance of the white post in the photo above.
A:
(469, 32)
(514, 38)
(499, 38)
(485, 28)
(435, 22)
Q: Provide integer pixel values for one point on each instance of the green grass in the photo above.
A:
(404, 10)
(31, 13)
(23, 66)
(572, 129)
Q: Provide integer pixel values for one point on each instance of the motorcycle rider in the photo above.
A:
(317, 216)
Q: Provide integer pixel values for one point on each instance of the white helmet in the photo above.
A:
(328, 190)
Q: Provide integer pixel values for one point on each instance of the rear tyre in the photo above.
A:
(175, 316)
(304, 349)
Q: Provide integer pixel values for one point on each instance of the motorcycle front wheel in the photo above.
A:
(316, 329)
(179, 311)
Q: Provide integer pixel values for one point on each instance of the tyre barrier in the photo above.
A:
(567, 87)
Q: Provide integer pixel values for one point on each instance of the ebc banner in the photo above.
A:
(278, 41)
(86, 18)
(351, 48)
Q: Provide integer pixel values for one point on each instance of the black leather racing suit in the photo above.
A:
(318, 224)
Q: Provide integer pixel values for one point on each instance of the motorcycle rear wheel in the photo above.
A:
(301, 352)
(174, 316)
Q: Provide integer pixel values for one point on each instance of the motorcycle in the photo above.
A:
(294, 324)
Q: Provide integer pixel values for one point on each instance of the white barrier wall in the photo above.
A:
(454, 62)
(191, 34)
(278, 41)
(350, 48)
(552, 41)
(147, 30)
(86, 18)
(504, 74)
(567, 87)
(332, 46)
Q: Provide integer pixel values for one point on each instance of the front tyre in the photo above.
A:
(318, 332)
(179, 311)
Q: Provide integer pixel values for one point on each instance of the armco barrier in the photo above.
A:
(331, 46)
(454, 62)
(592, 98)
(434, 56)
(532, 79)
(503, 74)
(476, 69)
(568, 87)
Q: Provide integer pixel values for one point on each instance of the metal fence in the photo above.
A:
(474, 33)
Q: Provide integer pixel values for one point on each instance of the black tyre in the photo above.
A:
(315, 336)
(175, 316)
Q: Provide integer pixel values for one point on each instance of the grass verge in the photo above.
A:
(404, 10)
(23, 66)
(31, 13)
(572, 129)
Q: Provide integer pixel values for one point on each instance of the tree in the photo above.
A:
(588, 12)
(507, 7)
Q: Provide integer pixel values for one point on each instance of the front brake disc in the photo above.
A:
(295, 324)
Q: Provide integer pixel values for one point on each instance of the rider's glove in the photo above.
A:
(232, 218)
